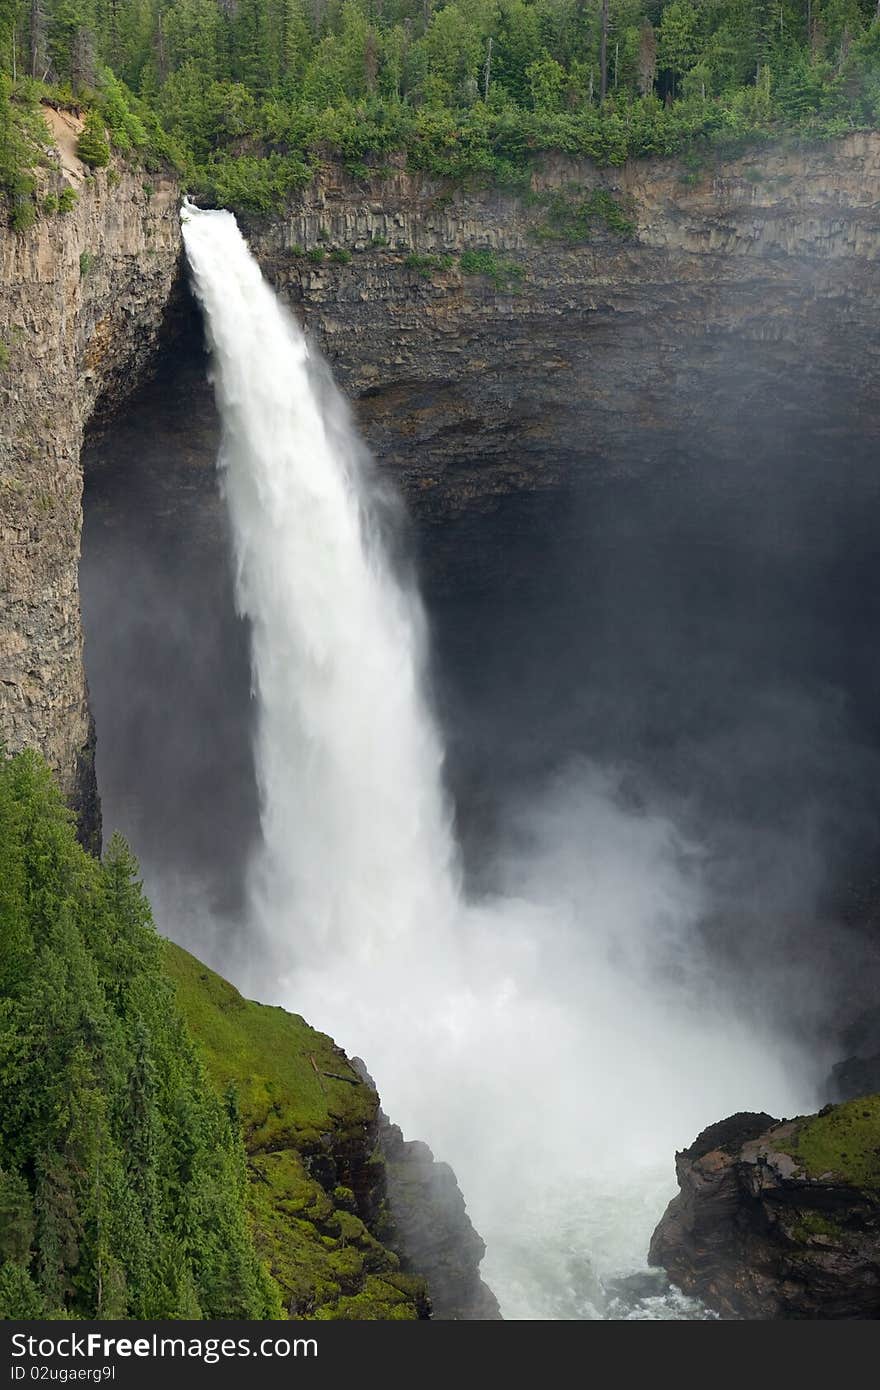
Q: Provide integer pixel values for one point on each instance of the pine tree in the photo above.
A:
(92, 147)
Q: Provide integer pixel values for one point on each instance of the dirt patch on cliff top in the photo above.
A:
(65, 130)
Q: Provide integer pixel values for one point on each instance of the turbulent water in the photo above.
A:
(555, 1041)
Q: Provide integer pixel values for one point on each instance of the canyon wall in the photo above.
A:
(623, 319)
(82, 297)
(593, 348)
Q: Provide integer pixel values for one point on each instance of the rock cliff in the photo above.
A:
(779, 1219)
(82, 297)
(615, 310)
(433, 1234)
(595, 324)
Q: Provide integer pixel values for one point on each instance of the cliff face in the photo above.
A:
(623, 319)
(82, 296)
(779, 1219)
(630, 314)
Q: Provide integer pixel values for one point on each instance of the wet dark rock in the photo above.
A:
(433, 1233)
(779, 1219)
(428, 1226)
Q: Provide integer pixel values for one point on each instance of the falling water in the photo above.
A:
(555, 1042)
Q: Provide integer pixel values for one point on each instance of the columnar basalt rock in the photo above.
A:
(82, 297)
(631, 312)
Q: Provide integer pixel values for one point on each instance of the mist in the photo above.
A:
(653, 697)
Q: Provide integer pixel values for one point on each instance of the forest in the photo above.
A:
(123, 1174)
(242, 97)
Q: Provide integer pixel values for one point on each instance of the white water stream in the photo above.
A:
(555, 1043)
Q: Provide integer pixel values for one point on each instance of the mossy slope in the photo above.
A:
(317, 1183)
(843, 1141)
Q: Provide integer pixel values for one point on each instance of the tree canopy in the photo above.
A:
(243, 94)
(122, 1174)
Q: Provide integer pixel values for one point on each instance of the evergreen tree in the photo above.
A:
(92, 147)
(122, 1175)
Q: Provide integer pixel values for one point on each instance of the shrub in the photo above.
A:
(125, 127)
(504, 274)
(575, 219)
(424, 266)
(66, 199)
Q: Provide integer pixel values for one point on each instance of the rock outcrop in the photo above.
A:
(82, 298)
(433, 1234)
(428, 1226)
(353, 1222)
(779, 1219)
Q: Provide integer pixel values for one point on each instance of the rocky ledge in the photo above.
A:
(779, 1218)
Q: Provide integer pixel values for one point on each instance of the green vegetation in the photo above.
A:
(425, 266)
(504, 274)
(92, 147)
(66, 199)
(86, 264)
(572, 216)
(845, 1141)
(122, 1174)
(244, 98)
(809, 1224)
(167, 1148)
(292, 1088)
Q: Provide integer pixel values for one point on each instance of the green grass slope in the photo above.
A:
(843, 1141)
(317, 1183)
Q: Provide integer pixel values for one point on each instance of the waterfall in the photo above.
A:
(557, 1041)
